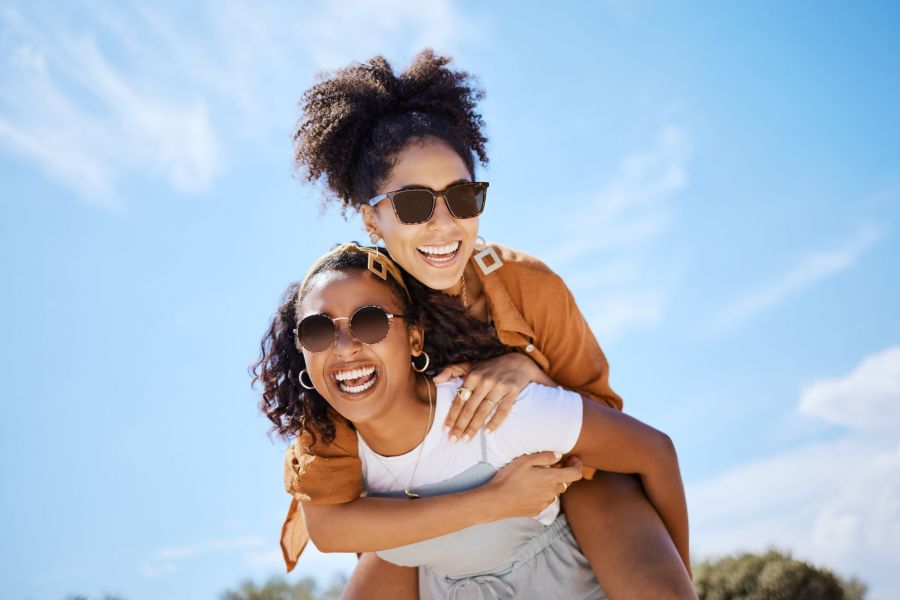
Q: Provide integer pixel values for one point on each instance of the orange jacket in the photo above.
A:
(533, 311)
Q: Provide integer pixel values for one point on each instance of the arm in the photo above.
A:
(613, 441)
(523, 488)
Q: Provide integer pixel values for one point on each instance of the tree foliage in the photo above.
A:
(277, 588)
(774, 575)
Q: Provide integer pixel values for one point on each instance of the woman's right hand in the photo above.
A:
(528, 484)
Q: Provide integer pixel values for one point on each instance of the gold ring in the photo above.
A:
(464, 394)
(491, 402)
(565, 487)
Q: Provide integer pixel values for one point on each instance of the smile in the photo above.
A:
(356, 381)
(439, 255)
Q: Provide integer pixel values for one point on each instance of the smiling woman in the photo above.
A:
(357, 326)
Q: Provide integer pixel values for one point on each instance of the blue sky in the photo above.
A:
(719, 184)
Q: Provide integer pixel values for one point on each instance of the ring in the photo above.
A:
(464, 394)
(491, 402)
(565, 487)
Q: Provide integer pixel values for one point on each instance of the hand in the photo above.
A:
(494, 384)
(528, 485)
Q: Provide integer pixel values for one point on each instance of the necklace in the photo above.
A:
(462, 292)
(409, 494)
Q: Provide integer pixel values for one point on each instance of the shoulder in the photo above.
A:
(520, 268)
(532, 286)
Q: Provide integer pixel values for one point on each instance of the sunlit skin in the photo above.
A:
(433, 164)
(391, 414)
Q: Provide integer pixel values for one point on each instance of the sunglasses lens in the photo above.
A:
(316, 332)
(370, 324)
(466, 200)
(413, 206)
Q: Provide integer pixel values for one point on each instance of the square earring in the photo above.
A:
(488, 260)
(377, 267)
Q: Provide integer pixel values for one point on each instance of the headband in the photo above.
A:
(379, 264)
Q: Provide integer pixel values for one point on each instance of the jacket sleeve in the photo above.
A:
(323, 473)
(564, 337)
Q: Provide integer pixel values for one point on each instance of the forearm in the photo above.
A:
(665, 491)
(371, 524)
(613, 441)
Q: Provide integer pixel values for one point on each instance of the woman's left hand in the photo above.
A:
(492, 384)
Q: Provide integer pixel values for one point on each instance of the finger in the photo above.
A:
(457, 370)
(455, 408)
(542, 459)
(574, 461)
(484, 411)
(506, 404)
(568, 474)
(468, 408)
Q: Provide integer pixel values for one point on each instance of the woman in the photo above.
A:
(366, 373)
(401, 150)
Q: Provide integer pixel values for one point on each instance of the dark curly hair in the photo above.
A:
(357, 119)
(452, 335)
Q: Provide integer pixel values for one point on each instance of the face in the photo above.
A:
(362, 382)
(435, 252)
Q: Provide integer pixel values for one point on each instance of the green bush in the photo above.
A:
(774, 575)
(277, 588)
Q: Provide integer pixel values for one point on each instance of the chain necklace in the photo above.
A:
(409, 494)
(462, 292)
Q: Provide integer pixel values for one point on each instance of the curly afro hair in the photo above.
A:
(355, 121)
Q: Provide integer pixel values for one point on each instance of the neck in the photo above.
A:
(405, 424)
(474, 293)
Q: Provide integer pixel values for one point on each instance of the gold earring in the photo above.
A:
(427, 362)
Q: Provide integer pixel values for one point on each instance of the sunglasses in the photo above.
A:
(416, 205)
(368, 324)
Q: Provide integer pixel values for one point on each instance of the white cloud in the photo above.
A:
(805, 273)
(876, 380)
(836, 503)
(135, 92)
(156, 569)
(173, 553)
(607, 246)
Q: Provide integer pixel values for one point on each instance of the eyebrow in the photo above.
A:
(415, 186)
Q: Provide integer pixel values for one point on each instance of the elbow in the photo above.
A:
(325, 538)
(325, 543)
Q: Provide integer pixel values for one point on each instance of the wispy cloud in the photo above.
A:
(134, 93)
(805, 273)
(608, 244)
(166, 560)
(834, 502)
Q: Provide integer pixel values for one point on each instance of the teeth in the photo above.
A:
(358, 388)
(445, 249)
(354, 373)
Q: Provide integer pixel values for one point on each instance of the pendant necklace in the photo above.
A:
(406, 490)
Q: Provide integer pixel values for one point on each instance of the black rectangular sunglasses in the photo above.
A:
(416, 205)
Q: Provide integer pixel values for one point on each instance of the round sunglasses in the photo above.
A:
(368, 324)
(416, 205)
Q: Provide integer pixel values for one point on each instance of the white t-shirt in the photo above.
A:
(542, 418)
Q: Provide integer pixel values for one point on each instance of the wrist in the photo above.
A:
(485, 505)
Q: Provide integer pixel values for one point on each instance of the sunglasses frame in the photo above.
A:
(434, 196)
(334, 320)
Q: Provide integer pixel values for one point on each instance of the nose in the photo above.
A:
(442, 215)
(344, 343)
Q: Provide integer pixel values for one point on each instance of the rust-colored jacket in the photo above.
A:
(533, 311)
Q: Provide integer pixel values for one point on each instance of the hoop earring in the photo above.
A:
(374, 238)
(300, 379)
(427, 362)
